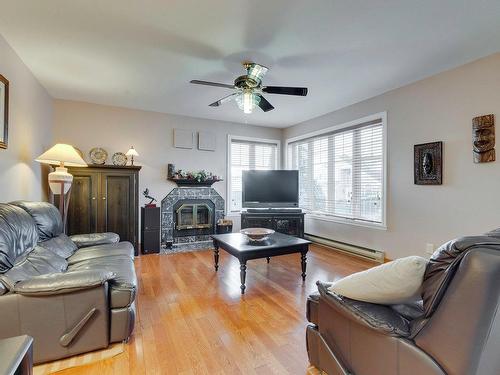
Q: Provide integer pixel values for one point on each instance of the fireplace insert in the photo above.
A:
(194, 217)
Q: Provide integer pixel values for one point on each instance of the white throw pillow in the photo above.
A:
(391, 283)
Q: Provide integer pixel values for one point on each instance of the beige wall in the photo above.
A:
(116, 129)
(30, 131)
(439, 108)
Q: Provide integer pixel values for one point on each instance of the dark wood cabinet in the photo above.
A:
(105, 199)
(282, 222)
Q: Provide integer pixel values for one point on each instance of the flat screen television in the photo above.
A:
(269, 189)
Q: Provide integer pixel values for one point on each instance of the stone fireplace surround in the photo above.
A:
(174, 241)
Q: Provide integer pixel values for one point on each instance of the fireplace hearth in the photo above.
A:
(188, 218)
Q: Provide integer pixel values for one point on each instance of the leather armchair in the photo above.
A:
(71, 294)
(454, 330)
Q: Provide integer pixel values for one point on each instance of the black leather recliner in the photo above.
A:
(454, 330)
(71, 294)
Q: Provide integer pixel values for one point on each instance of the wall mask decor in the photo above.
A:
(428, 163)
(483, 139)
(4, 112)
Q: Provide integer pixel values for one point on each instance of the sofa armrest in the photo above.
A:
(93, 239)
(60, 283)
(380, 318)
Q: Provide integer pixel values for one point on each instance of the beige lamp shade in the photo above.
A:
(63, 155)
(132, 152)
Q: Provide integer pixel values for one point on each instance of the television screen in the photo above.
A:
(271, 188)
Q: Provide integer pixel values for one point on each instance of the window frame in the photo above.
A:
(230, 139)
(335, 128)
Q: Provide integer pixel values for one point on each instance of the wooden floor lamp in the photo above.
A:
(60, 180)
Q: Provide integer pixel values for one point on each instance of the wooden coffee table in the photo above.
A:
(238, 245)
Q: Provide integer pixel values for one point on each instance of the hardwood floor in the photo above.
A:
(191, 320)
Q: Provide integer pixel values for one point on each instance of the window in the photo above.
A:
(247, 154)
(342, 171)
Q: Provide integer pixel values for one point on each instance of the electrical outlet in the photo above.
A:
(429, 248)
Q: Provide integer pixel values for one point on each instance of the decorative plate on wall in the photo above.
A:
(98, 155)
(119, 158)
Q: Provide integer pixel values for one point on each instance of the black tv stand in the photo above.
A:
(282, 220)
(275, 210)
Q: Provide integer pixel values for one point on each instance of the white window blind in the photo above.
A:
(341, 173)
(248, 155)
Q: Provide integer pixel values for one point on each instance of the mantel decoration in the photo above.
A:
(483, 138)
(4, 112)
(187, 178)
(428, 164)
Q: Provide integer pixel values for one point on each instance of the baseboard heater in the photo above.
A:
(362, 252)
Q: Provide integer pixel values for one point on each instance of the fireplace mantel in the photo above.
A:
(192, 182)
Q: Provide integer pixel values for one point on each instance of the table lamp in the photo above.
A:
(60, 180)
(62, 155)
(132, 152)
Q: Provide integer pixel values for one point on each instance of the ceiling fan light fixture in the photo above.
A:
(248, 89)
(256, 71)
(247, 101)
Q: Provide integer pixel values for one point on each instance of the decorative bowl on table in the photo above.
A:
(257, 234)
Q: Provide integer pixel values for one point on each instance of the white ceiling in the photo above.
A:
(142, 54)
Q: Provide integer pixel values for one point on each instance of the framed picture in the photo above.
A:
(428, 164)
(4, 112)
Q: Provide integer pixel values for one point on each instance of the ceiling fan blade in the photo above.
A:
(264, 104)
(206, 83)
(223, 100)
(300, 91)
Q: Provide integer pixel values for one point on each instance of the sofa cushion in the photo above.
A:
(123, 286)
(394, 282)
(60, 245)
(46, 216)
(93, 239)
(18, 235)
(378, 317)
(38, 262)
(93, 252)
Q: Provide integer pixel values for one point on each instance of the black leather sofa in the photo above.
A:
(71, 294)
(454, 330)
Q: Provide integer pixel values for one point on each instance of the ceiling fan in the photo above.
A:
(249, 89)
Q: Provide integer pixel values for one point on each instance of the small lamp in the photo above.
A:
(132, 152)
